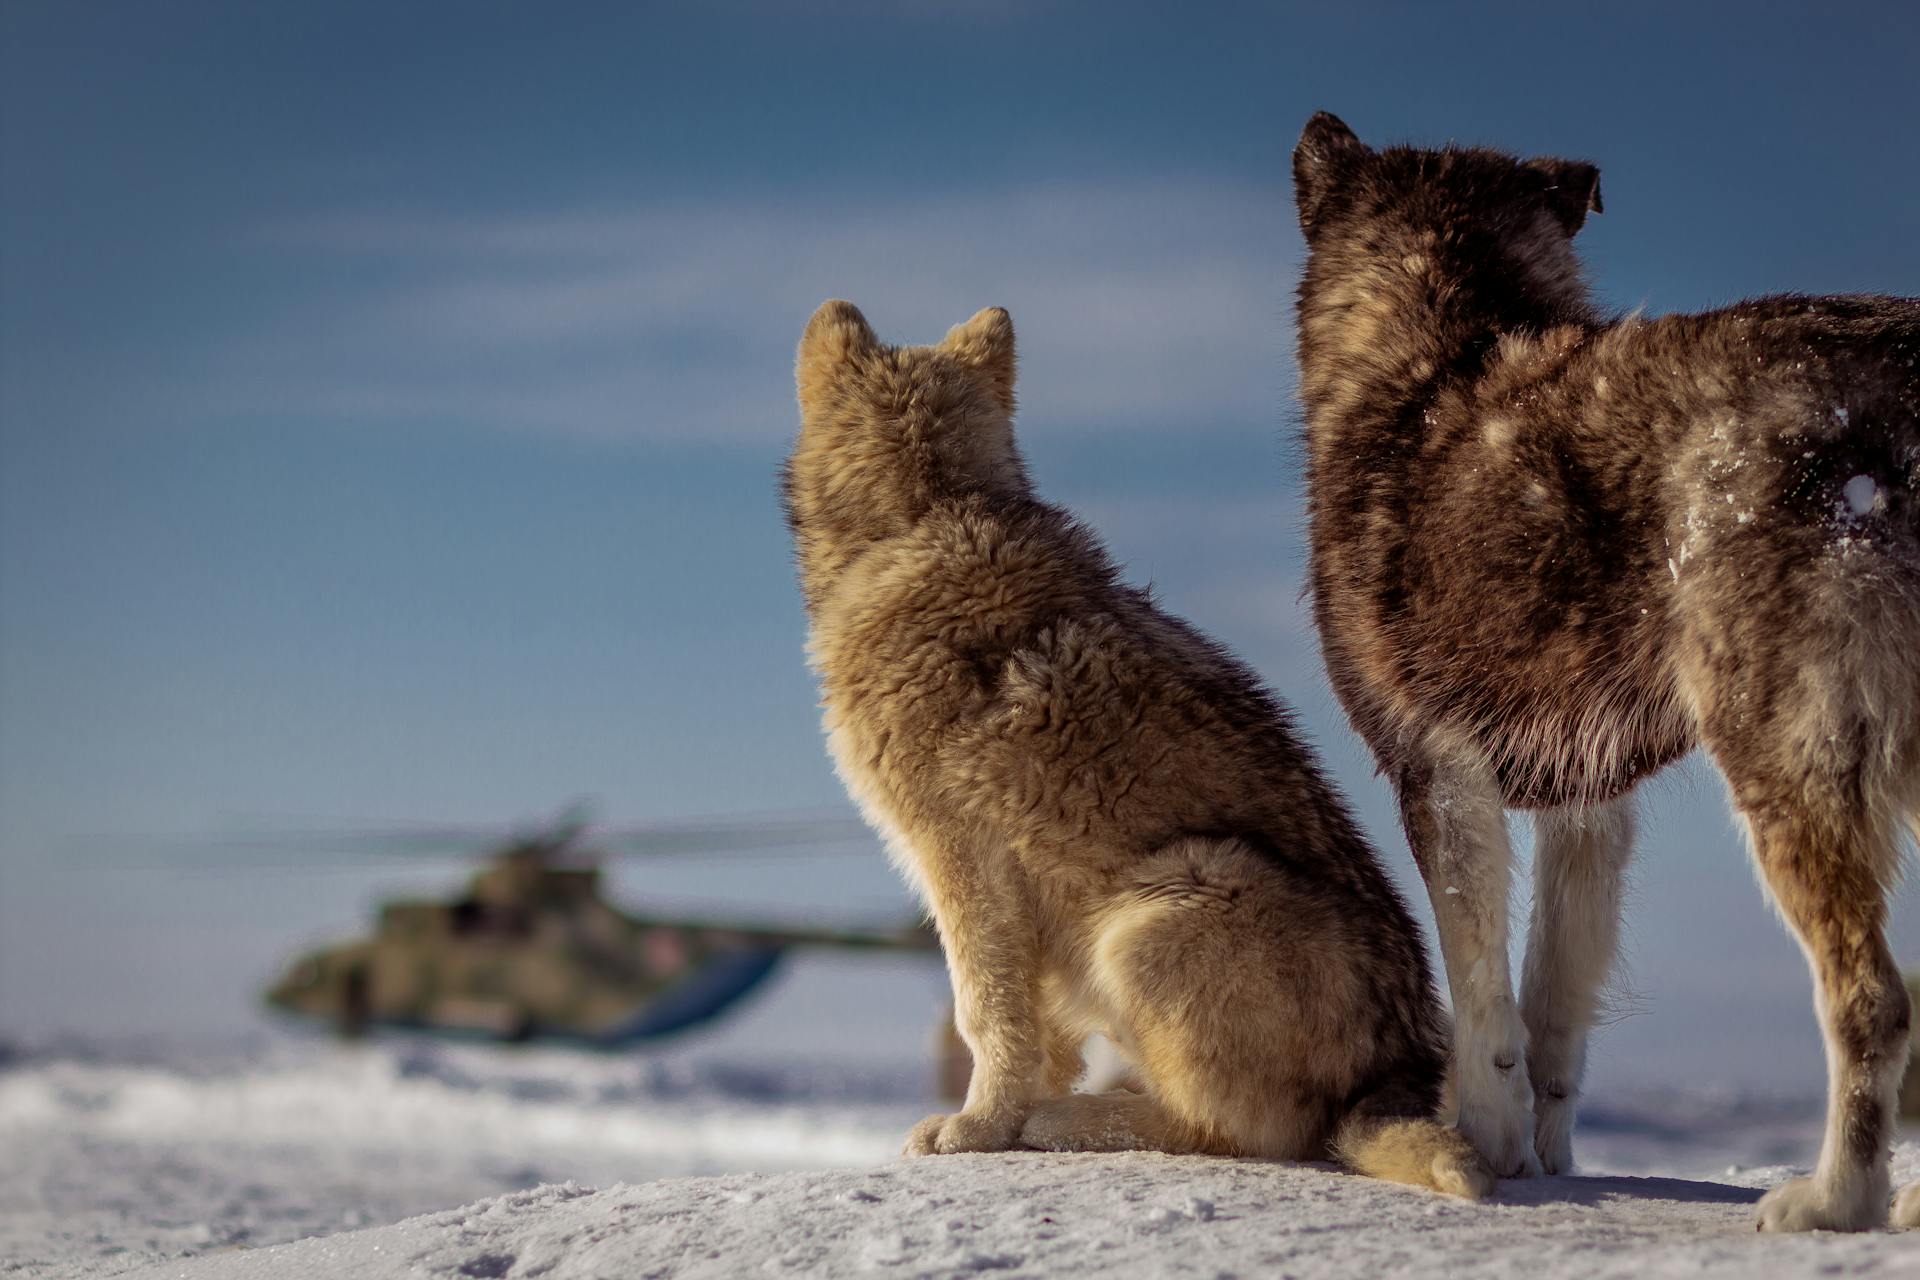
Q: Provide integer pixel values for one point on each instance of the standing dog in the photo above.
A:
(1113, 823)
(1553, 552)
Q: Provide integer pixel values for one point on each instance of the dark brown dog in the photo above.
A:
(1554, 551)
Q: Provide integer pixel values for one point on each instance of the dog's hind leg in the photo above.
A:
(1235, 991)
(1826, 876)
(1256, 1009)
(1117, 1121)
(1450, 803)
(1906, 1205)
(1811, 713)
(1580, 863)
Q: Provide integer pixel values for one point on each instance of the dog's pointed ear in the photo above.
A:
(837, 331)
(985, 344)
(1572, 190)
(1326, 150)
(837, 335)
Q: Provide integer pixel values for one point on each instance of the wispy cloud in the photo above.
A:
(1140, 304)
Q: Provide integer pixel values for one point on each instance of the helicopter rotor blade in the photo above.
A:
(745, 835)
(749, 835)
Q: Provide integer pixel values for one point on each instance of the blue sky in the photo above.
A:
(391, 395)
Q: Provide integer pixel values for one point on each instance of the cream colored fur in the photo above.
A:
(1467, 864)
(1111, 823)
(1579, 872)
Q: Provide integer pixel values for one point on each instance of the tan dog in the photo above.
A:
(1113, 823)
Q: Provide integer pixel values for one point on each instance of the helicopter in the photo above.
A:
(533, 950)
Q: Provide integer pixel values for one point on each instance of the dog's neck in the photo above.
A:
(1385, 327)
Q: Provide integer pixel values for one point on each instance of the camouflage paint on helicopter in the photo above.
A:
(534, 950)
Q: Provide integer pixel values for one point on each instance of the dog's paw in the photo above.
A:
(1804, 1205)
(1505, 1138)
(921, 1138)
(1553, 1133)
(1497, 1118)
(964, 1131)
(1906, 1207)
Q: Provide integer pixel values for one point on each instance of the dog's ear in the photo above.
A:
(1326, 150)
(837, 335)
(1572, 189)
(837, 331)
(985, 345)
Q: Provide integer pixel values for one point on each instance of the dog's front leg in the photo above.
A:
(1579, 868)
(1457, 827)
(987, 930)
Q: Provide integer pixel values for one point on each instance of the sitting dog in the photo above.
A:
(1114, 825)
(1554, 551)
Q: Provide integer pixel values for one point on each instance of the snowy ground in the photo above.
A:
(106, 1165)
(1033, 1215)
(200, 1140)
(197, 1166)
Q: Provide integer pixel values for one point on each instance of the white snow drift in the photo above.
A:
(1066, 1216)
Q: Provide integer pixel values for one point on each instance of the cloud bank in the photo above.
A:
(1160, 304)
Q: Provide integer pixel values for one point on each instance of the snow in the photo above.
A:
(1053, 1215)
(198, 1138)
(110, 1164)
(284, 1161)
(1863, 496)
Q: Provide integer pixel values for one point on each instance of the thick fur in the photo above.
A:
(1553, 551)
(1114, 825)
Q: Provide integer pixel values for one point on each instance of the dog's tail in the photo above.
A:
(1384, 1138)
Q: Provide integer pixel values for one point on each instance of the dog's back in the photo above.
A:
(1511, 560)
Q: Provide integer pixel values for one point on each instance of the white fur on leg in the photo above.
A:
(1553, 1117)
(1817, 1204)
(1466, 861)
(1579, 866)
(1496, 1100)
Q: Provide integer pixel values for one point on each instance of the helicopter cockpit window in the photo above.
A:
(473, 918)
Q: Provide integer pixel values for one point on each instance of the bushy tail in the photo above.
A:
(1416, 1150)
